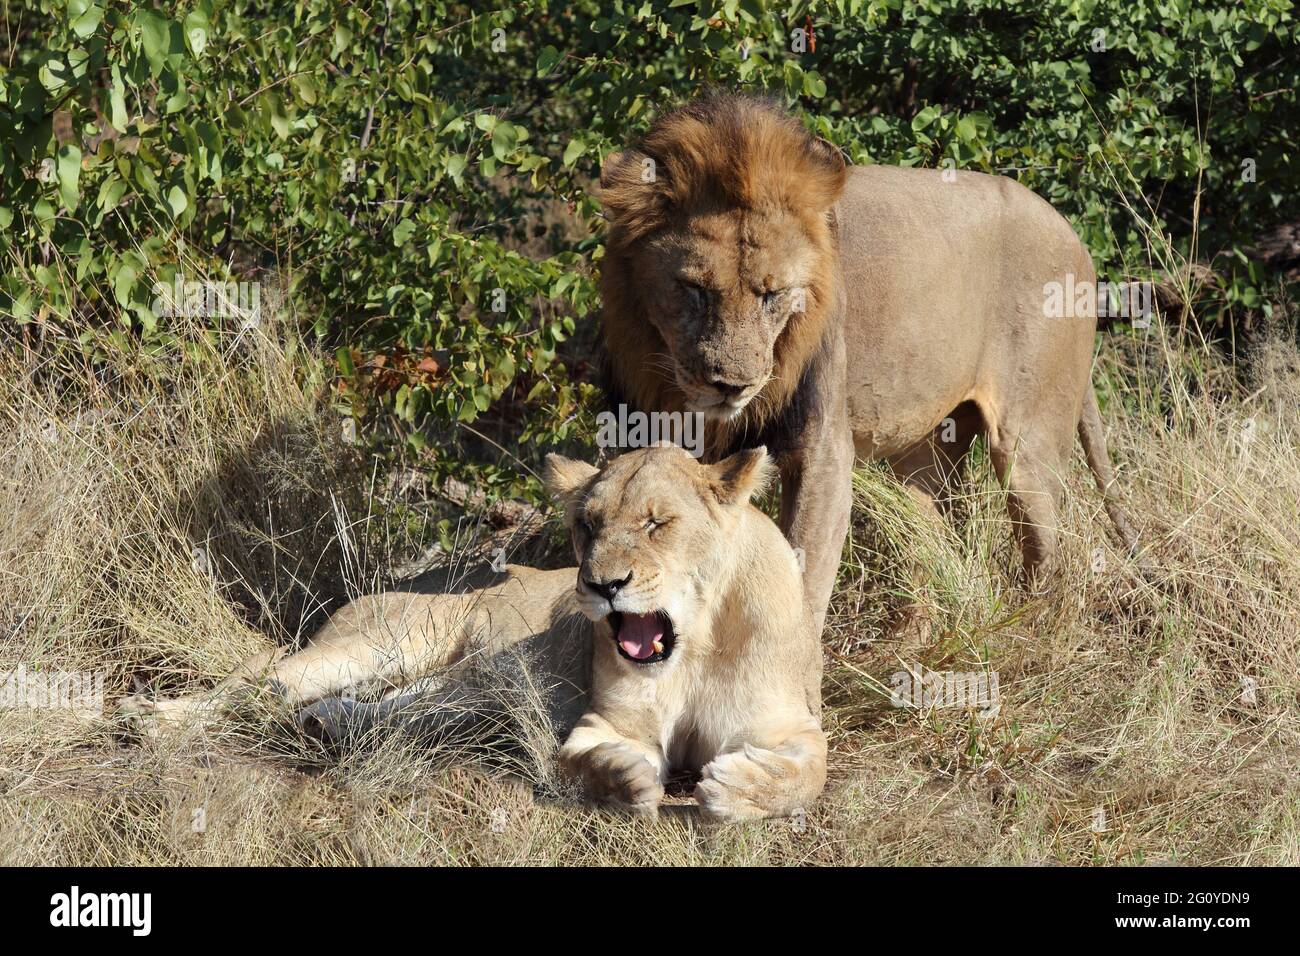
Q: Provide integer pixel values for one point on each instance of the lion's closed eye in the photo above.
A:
(696, 296)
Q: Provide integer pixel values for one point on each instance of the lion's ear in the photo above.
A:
(738, 478)
(831, 172)
(828, 155)
(633, 191)
(608, 169)
(564, 477)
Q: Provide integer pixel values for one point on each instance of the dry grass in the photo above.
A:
(1140, 719)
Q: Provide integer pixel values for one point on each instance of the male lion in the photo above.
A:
(699, 660)
(830, 312)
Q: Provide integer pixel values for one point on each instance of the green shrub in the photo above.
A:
(416, 175)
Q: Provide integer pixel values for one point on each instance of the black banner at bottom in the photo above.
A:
(330, 907)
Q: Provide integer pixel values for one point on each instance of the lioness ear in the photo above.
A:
(564, 477)
(736, 479)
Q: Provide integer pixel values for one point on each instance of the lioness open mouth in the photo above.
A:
(643, 638)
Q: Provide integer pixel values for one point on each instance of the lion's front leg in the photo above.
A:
(612, 768)
(816, 503)
(751, 782)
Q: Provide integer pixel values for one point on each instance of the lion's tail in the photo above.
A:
(1093, 440)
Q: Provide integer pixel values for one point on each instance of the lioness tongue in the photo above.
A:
(638, 635)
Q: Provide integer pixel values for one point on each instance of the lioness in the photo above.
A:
(698, 660)
(831, 313)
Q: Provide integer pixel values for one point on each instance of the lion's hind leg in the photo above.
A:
(450, 711)
(931, 472)
(151, 716)
(1030, 468)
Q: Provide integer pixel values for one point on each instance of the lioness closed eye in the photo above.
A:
(683, 645)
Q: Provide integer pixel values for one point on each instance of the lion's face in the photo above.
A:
(651, 533)
(720, 289)
(721, 265)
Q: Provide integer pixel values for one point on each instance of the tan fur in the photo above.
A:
(922, 302)
(738, 698)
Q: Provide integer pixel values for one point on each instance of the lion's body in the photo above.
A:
(835, 314)
(947, 335)
(943, 305)
(737, 700)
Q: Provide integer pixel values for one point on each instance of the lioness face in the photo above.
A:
(651, 535)
(721, 289)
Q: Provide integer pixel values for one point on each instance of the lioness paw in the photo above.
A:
(747, 784)
(150, 717)
(135, 706)
(620, 775)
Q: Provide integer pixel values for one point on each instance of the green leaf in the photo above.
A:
(177, 200)
(924, 118)
(505, 137)
(44, 214)
(53, 75)
(195, 27)
(111, 192)
(155, 35)
(456, 167)
(124, 276)
(547, 59)
(342, 39)
(117, 102)
(402, 232)
(814, 85)
(69, 173)
(84, 17)
(278, 117)
(575, 149)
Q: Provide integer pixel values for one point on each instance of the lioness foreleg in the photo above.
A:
(613, 768)
(751, 782)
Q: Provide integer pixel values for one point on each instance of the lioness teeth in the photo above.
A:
(658, 646)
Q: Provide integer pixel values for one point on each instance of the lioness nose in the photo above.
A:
(607, 589)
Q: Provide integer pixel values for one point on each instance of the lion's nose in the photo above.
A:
(607, 589)
(728, 389)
